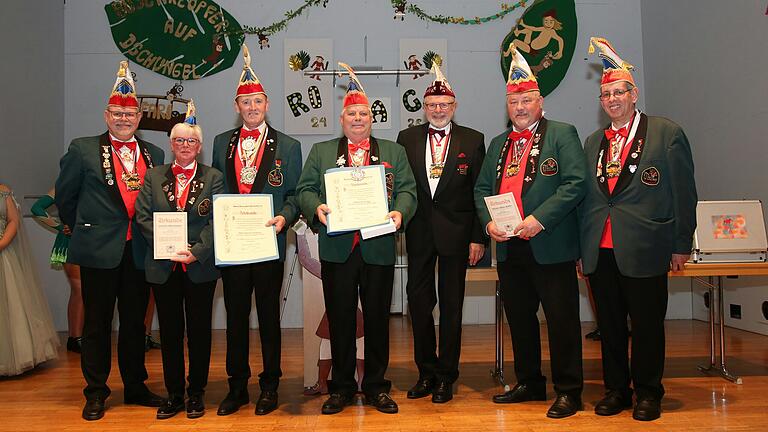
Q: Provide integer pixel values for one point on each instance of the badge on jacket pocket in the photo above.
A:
(650, 176)
(204, 208)
(390, 181)
(548, 167)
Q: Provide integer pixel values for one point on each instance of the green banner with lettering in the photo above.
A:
(181, 39)
(546, 36)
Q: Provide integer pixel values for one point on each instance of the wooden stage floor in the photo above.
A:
(49, 398)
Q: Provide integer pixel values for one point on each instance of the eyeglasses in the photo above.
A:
(117, 115)
(188, 141)
(443, 105)
(616, 93)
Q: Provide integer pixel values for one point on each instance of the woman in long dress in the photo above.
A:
(27, 336)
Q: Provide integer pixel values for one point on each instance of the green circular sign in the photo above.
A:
(546, 36)
(183, 39)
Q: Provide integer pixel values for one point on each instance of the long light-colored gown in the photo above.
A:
(27, 335)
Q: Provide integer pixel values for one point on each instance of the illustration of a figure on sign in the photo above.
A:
(548, 32)
(216, 49)
(319, 65)
(413, 63)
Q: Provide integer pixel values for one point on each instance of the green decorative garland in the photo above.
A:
(402, 6)
(280, 25)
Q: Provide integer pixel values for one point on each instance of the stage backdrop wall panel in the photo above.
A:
(712, 82)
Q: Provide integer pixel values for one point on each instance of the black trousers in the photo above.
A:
(101, 288)
(180, 301)
(644, 300)
(262, 281)
(524, 285)
(342, 283)
(422, 298)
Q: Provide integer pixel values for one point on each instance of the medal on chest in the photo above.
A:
(358, 157)
(131, 180)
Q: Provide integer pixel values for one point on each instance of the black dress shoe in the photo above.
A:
(422, 388)
(147, 399)
(195, 406)
(336, 403)
(75, 344)
(267, 402)
(594, 335)
(150, 343)
(647, 409)
(614, 402)
(565, 406)
(383, 403)
(522, 393)
(442, 393)
(94, 408)
(170, 408)
(232, 402)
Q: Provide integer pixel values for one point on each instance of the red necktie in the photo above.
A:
(517, 136)
(188, 172)
(364, 144)
(611, 134)
(250, 133)
(439, 132)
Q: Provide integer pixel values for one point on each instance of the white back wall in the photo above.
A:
(713, 84)
(91, 57)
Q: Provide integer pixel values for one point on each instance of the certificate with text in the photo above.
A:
(239, 232)
(357, 197)
(504, 212)
(169, 233)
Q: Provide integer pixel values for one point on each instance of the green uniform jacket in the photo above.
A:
(557, 183)
(401, 189)
(90, 203)
(277, 175)
(157, 195)
(652, 207)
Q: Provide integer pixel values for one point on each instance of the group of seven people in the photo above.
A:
(621, 210)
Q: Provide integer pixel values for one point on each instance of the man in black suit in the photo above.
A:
(446, 160)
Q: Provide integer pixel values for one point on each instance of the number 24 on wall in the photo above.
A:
(319, 122)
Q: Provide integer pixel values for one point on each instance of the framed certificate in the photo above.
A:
(504, 212)
(357, 197)
(169, 231)
(239, 232)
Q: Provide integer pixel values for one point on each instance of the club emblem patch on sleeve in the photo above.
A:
(650, 176)
(204, 208)
(548, 167)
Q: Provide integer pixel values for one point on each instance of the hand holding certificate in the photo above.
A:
(169, 233)
(240, 234)
(504, 212)
(357, 198)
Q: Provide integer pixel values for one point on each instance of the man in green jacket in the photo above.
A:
(637, 221)
(256, 159)
(541, 163)
(96, 191)
(350, 263)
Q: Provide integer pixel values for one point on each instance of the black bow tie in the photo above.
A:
(439, 132)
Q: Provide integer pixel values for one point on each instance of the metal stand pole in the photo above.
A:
(717, 303)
